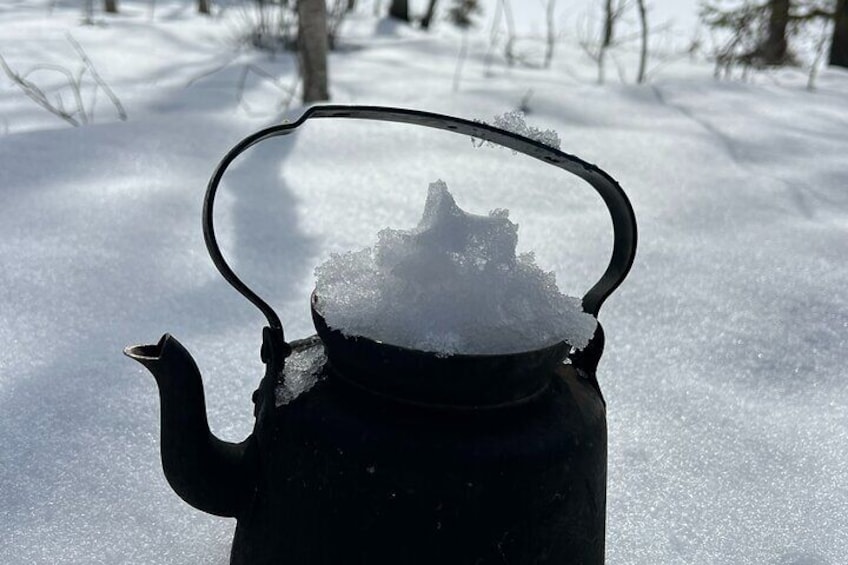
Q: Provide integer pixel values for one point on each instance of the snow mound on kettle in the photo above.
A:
(452, 285)
(302, 370)
(514, 122)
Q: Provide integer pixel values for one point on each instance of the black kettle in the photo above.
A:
(396, 456)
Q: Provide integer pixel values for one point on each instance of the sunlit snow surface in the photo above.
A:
(724, 367)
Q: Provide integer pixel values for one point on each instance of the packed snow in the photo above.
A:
(302, 370)
(724, 368)
(514, 122)
(451, 285)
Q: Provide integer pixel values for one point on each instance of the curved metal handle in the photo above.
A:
(621, 211)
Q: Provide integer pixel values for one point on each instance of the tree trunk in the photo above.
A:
(774, 50)
(609, 18)
(351, 5)
(428, 17)
(88, 12)
(110, 6)
(510, 33)
(643, 51)
(203, 6)
(312, 49)
(550, 42)
(399, 10)
(839, 44)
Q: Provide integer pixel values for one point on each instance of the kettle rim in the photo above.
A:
(430, 378)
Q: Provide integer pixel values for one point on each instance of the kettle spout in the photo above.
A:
(210, 474)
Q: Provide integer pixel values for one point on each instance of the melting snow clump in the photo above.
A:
(451, 285)
(302, 370)
(514, 122)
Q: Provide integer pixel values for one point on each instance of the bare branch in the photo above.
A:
(213, 70)
(79, 113)
(37, 95)
(73, 82)
(819, 54)
(122, 114)
(289, 92)
(48, 67)
(460, 61)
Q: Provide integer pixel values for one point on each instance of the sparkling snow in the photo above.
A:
(302, 370)
(514, 121)
(724, 370)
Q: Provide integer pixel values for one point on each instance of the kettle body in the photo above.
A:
(350, 476)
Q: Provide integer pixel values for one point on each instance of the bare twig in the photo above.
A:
(289, 91)
(510, 32)
(93, 103)
(600, 47)
(819, 53)
(79, 113)
(37, 95)
(494, 32)
(213, 70)
(122, 113)
(595, 51)
(460, 61)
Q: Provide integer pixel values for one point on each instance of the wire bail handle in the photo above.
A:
(275, 349)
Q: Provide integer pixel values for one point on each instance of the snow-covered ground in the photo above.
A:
(724, 370)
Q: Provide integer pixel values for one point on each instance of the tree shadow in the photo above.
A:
(268, 252)
(80, 478)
